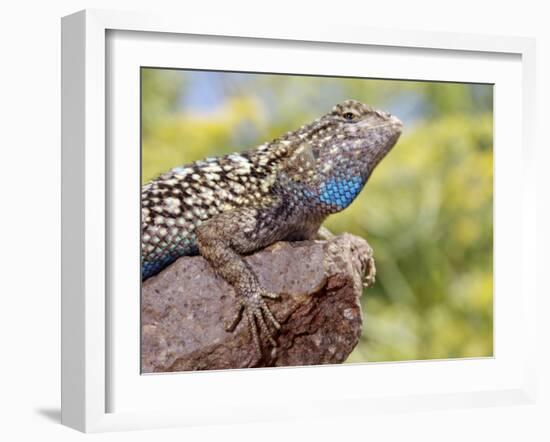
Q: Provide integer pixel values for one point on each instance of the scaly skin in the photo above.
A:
(229, 206)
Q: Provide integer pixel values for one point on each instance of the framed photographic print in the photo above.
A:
(290, 223)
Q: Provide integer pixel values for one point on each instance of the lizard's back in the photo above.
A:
(177, 202)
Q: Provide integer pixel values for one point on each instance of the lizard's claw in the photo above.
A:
(230, 326)
(256, 312)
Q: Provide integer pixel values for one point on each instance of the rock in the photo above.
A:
(184, 309)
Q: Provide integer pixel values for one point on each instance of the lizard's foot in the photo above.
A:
(256, 312)
(324, 234)
(370, 273)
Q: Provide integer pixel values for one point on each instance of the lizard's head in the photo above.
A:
(341, 149)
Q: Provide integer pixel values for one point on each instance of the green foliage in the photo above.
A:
(426, 211)
(159, 94)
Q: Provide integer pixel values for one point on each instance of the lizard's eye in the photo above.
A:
(350, 116)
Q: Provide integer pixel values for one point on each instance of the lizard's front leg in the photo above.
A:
(221, 241)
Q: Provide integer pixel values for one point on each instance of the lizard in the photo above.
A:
(226, 207)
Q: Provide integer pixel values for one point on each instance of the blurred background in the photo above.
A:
(427, 210)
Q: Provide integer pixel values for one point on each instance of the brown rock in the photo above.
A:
(184, 308)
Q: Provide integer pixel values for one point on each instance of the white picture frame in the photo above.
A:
(90, 323)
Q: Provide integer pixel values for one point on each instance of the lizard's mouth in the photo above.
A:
(393, 122)
(389, 132)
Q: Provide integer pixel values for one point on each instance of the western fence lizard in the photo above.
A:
(225, 207)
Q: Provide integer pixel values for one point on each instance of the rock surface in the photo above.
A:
(183, 309)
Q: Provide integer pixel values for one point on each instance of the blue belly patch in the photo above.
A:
(150, 268)
(188, 247)
(340, 192)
